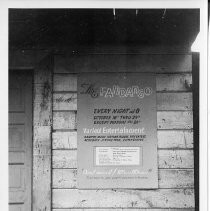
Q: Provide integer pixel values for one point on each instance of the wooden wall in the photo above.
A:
(174, 129)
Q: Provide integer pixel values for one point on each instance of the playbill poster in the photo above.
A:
(117, 130)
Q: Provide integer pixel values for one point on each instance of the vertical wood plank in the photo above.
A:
(123, 198)
(196, 123)
(42, 135)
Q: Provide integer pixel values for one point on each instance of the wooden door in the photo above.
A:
(20, 141)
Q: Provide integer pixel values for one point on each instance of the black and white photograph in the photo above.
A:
(104, 109)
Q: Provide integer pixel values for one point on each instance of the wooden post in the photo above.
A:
(195, 77)
(42, 120)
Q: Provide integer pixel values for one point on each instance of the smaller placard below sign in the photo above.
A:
(117, 156)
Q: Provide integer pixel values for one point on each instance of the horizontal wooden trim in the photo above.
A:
(166, 139)
(168, 159)
(42, 100)
(165, 120)
(124, 49)
(165, 101)
(175, 159)
(164, 63)
(164, 82)
(124, 209)
(167, 198)
(168, 178)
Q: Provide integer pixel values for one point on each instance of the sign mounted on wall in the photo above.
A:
(117, 131)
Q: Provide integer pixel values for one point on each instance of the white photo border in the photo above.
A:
(204, 76)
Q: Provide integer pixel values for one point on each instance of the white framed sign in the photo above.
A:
(117, 131)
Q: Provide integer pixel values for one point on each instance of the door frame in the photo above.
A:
(41, 64)
(28, 101)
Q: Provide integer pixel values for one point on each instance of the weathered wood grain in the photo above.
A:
(64, 140)
(16, 118)
(42, 104)
(174, 139)
(175, 120)
(125, 209)
(175, 158)
(167, 198)
(164, 82)
(64, 178)
(65, 101)
(64, 120)
(64, 159)
(168, 178)
(117, 49)
(160, 63)
(174, 101)
(165, 101)
(42, 135)
(165, 120)
(176, 178)
(166, 159)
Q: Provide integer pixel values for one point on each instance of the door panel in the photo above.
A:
(16, 177)
(16, 93)
(16, 158)
(17, 118)
(16, 137)
(20, 141)
(18, 207)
